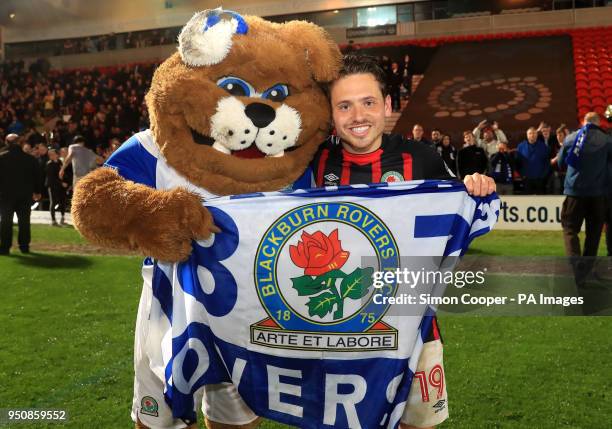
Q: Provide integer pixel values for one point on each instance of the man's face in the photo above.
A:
(532, 136)
(468, 139)
(435, 135)
(546, 132)
(417, 132)
(488, 135)
(41, 149)
(359, 111)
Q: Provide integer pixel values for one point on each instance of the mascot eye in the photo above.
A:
(236, 86)
(277, 93)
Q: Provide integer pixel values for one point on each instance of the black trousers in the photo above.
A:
(57, 196)
(609, 227)
(592, 211)
(575, 210)
(8, 207)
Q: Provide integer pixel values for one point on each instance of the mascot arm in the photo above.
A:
(114, 212)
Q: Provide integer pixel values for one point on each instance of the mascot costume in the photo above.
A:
(238, 109)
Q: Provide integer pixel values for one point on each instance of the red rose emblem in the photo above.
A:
(318, 253)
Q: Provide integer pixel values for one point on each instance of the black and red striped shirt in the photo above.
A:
(396, 160)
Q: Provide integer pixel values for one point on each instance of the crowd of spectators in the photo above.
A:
(102, 105)
(63, 118)
(526, 167)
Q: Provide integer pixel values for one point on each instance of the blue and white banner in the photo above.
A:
(280, 302)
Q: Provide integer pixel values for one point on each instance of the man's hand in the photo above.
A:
(479, 185)
(495, 126)
(481, 124)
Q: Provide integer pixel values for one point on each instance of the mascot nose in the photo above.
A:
(260, 114)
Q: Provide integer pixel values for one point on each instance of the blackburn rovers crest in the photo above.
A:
(312, 283)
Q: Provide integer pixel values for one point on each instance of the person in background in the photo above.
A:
(82, 159)
(533, 163)
(448, 153)
(418, 135)
(55, 187)
(10, 139)
(407, 73)
(19, 184)
(608, 115)
(67, 179)
(550, 140)
(609, 214)
(394, 80)
(502, 170)
(560, 170)
(436, 137)
(491, 135)
(40, 152)
(587, 154)
(27, 148)
(472, 158)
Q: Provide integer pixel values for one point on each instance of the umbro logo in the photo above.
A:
(439, 406)
(331, 179)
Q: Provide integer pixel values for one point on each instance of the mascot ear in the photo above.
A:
(207, 38)
(322, 53)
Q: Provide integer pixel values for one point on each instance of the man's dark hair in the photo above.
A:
(78, 139)
(358, 64)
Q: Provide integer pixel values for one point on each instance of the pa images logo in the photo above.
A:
(311, 282)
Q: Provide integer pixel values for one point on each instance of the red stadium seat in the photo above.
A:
(581, 84)
(582, 93)
(598, 101)
(594, 83)
(584, 102)
(580, 69)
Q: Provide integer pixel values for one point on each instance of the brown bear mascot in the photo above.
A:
(238, 109)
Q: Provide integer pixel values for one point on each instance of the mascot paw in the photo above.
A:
(167, 231)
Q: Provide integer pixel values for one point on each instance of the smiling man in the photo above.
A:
(362, 153)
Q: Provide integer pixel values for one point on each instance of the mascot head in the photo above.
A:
(239, 108)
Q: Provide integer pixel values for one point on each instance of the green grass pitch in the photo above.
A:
(68, 321)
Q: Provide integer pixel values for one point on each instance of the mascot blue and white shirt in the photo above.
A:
(282, 301)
